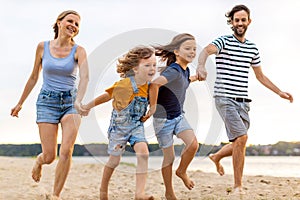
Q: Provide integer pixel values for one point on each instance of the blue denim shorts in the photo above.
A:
(125, 126)
(118, 138)
(235, 116)
(51, 106)
(165, 129)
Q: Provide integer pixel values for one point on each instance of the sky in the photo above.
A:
(109, 28)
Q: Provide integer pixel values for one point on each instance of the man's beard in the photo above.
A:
(237, 33)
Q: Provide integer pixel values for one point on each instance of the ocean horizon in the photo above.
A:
(276, 166)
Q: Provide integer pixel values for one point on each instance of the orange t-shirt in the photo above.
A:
(122, 93)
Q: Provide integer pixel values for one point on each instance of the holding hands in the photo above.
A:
(81, 109)
(201, 73)
(150, 112)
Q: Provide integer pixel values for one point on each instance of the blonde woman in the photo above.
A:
(59, 101)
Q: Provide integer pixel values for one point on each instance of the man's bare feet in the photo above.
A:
(219, 167)
(186, 180)
(103, 195)
(144, 197)
(36, 172)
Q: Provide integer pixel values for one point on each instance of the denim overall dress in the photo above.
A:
(125, 125)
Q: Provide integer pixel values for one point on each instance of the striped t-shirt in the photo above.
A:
(233, 61)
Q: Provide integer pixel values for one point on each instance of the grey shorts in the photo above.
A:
(235, 116)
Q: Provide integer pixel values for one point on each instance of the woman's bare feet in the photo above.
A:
(219, 167)
(186, 180)
(36, 171)
(144, 197)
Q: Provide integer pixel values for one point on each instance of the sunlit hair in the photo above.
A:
(132, 59)
(235, 9)
(60, 17)
(166, 52)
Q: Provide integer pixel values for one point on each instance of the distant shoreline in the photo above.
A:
(278, 149)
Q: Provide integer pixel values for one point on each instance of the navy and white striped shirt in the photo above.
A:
(233, 61)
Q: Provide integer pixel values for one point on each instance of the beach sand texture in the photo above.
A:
(84, 180)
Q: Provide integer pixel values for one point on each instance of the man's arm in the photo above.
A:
(268, 83)
(207, 51)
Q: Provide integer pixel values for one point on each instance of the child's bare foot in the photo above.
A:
(103, 195)
(170, 197)
(36, 172)
(144, 197)
(54, 198)
(219, 167)
(186, 180)
(238, 191)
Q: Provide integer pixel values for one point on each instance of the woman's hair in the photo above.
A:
(235, 9)
(60, 17)
(132, 59)
(166, 52)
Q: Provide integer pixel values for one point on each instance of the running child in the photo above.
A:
(130, 102)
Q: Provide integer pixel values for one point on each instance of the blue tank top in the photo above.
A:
(59, 74)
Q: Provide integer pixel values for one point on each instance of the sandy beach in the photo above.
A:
(84, 179)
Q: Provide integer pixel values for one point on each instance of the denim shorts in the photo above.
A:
(51, 106)
(165, 129)
(235, 116)
(125, 126)
(118, 138)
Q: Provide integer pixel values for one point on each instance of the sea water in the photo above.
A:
(278, 166)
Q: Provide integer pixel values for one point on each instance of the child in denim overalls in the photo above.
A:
(169, 91)
(130, 101)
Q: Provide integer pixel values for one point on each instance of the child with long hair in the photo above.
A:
(130, 102)
(168, 91)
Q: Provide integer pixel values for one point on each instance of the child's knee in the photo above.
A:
(169, 159)
(113, 162)
(48, 158)
(142, 156)
(194, 146)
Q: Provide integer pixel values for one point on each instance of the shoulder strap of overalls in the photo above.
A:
(148, 89)
(134, 86)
